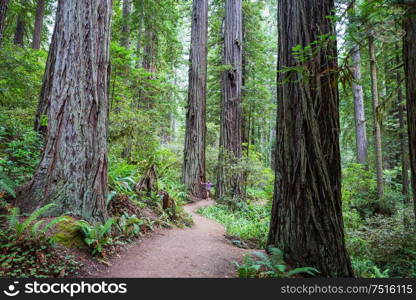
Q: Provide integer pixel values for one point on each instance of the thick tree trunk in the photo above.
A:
(73, 168)
(409, 50)
(46, 91)
(194, 153)
(360, 123)
(37, 32)
(125, 30)
(306, 218)
(3, 12)
(229, 183)
(377, 127)
(19, 32)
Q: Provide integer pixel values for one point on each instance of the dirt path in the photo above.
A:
(200, 251)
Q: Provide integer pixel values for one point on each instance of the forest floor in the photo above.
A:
(201, 251)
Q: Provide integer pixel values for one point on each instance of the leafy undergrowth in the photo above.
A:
(27, 250)
(34, 246)
(382, 247)
(247, 226)
(260, 265)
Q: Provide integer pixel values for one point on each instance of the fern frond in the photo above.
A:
(36, 214)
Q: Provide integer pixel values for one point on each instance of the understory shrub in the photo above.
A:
(250, 223)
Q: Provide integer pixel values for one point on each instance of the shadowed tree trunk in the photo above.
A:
(306, 218)
(194, 153)
(402, 138)
(73, 169)
(37, 32)
(45, 93)
(125, 29)
(230, 184)
(19, 31)
(360, 123)
(409, 50)
(3, 12)
(149, 63)
(377, 127)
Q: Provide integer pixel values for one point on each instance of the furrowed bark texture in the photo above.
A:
(377, 127)
(37, 32)
(231, 185)
(409, 56)
(46, 91)
(360, 123)
(194, 152)
(73, 168)
(306, 218)
(3, 12)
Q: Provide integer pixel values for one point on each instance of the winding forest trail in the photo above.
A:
(200, 251)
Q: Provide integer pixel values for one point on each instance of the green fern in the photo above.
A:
(259, 264)
(98, 236)
(6, 185)
(21, 229)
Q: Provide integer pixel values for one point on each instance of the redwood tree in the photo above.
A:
(73, 169)
(409, 51)
(37, 32)
(377, 127)
(306, 218)
(3, 11)
(359, 108)
(125, 29)
(194, 152)
(229, 183)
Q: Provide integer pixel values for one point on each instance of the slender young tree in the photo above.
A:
(230, 184)
(194, 153)
(3, 11)
(360, 122)
(37, 32)
(377, 127)
(73, 169)
(403, 143)
(306, 220)
(409, 50)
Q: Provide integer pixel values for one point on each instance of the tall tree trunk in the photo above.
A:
(73, 169)
(125, 29)
(402, 138)
(19, 32)
(194, 153)
(359, 108)
(230, 183)
(149, 64)
(3, 12)
(140, 9)
(46, 91)
(377, 127)
(409, 50)
(306, 218)
(37, 32)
